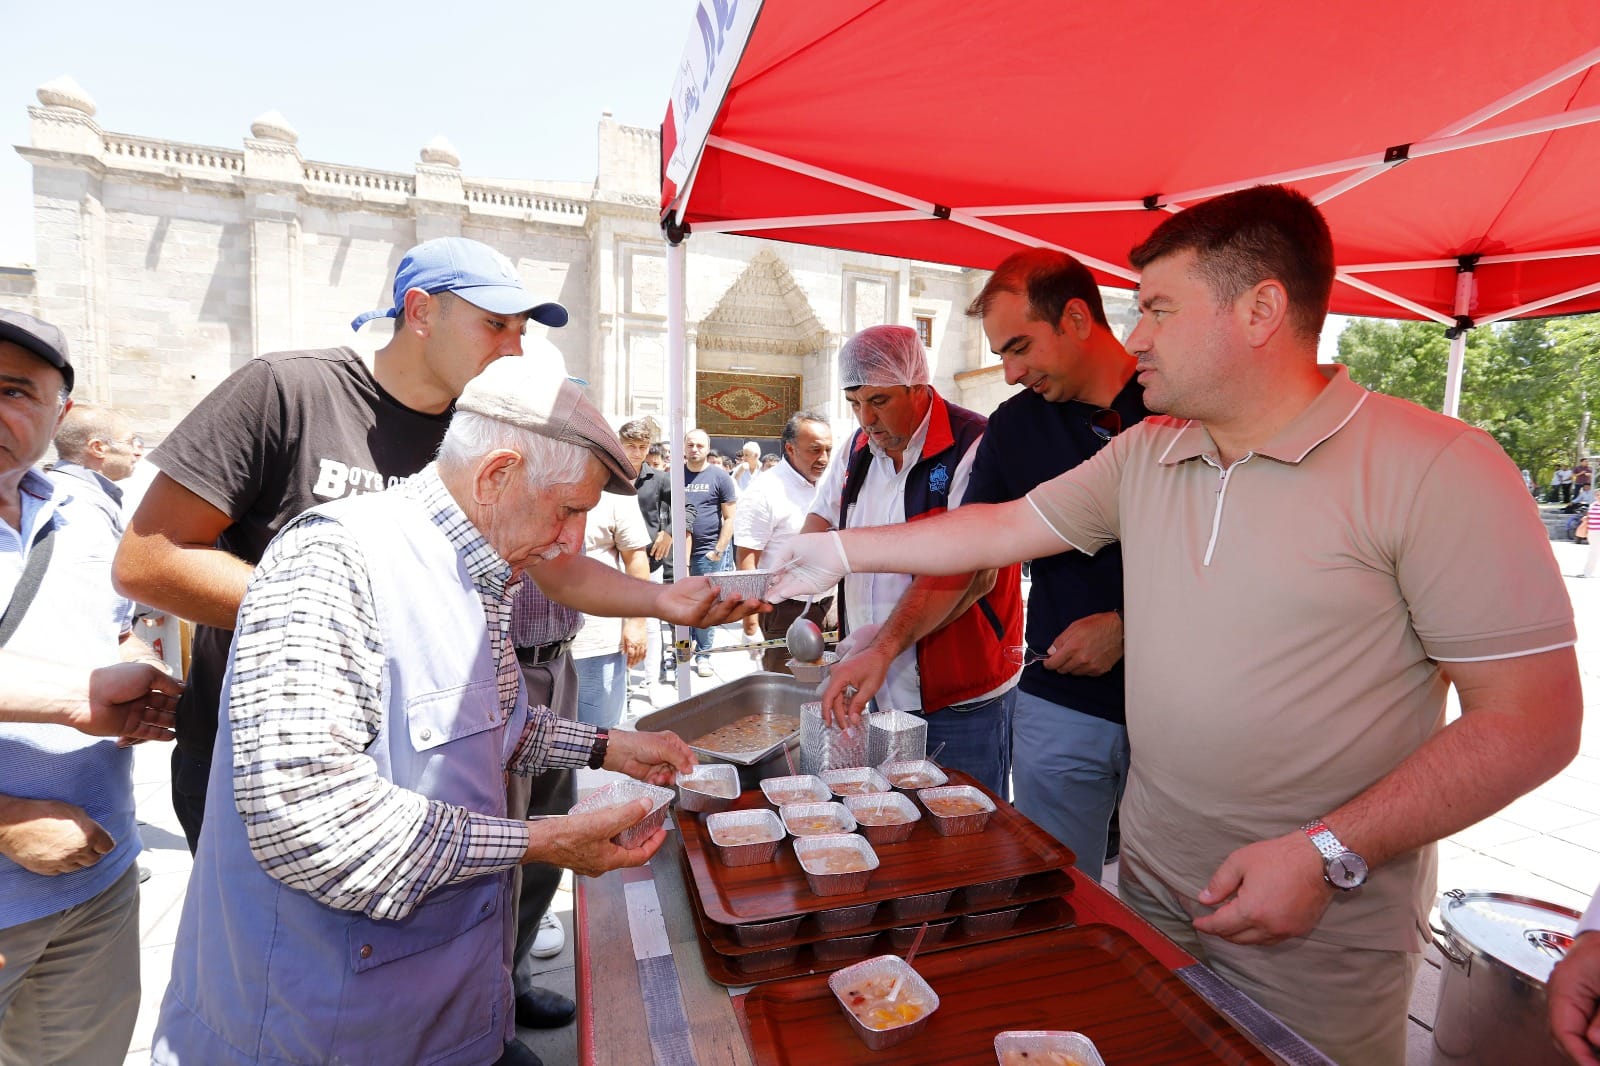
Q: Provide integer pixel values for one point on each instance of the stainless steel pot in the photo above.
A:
(1499, 950)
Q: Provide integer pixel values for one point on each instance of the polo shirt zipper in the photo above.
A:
(1221, 493)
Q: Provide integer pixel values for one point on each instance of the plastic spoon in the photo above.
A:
(894, 989)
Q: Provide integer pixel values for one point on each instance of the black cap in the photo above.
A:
(40, 338)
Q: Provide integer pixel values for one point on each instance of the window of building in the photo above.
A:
(925, 330)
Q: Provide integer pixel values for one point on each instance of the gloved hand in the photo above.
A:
(808, 564)
(857, 639)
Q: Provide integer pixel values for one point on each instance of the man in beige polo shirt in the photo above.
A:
(1303, 579)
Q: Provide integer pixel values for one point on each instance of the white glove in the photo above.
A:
(807, 564)
(858, 639)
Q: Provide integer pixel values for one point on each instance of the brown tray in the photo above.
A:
(1040, 915)
(1030, 889)
(1010, 846)
(1094, 979)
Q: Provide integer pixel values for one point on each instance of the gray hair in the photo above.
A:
(85, 423)
(546, 460)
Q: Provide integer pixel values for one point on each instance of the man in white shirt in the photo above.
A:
(749, 465)
(775, 505)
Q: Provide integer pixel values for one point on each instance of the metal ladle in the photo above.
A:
(804, 638)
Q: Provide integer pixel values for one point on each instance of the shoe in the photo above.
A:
(549, 939)
(144, 873)
(703, 667)
(540, 1008)
(517, 1053)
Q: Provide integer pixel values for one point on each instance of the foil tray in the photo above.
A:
(758, 693)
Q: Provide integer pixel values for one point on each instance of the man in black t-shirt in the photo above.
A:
(1042, 314)
(290, 430)
(709, 489)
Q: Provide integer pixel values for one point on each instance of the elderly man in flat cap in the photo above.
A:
(351, 895)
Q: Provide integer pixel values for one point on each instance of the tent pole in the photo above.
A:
(1458, 336)
(677, 363)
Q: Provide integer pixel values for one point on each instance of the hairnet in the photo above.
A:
(883, 355)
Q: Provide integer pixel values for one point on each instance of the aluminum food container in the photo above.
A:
(829, 747)
(842, 919)
(841, 981)
(794, 816)
(963, 824)
(812, 673)
(1019, 1047)
(888, 801)
(855, 781)
(990, 892)
(745, 854)
(825, 884)
(757, 693)
(809, 788)
(626, 791)
(895, 736)
(691, 794)
(841, 948)
(990, 922)
(762, 961)
(903, 937)
(760, 934)
(934, 777)
(922, 905)
(751, 584)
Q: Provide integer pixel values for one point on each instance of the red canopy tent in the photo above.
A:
(1454, 147)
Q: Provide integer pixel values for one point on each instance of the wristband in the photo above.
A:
(597, 754)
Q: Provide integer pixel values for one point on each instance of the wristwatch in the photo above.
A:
(1345, 870)
(597, 754)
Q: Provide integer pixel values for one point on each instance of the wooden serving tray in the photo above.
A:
(1009, 846)
(1052, 913)
(1030, 889)
(1094, 979)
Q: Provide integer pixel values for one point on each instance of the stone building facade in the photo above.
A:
(169, 265)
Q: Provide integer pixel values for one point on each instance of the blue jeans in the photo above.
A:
(977, 740)
(602, 688)
(698, 565)
(1069, 769)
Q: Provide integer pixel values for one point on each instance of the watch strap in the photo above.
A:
(1323, 839)
(597, 754)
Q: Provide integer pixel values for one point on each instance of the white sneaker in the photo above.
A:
(550, 939)
(703, 667)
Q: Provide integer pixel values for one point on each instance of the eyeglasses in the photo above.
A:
(1106, 423)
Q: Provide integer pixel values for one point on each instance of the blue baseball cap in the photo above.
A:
(473, 271)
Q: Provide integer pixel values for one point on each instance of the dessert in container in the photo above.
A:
(987, 923)
(955, 825)
(884, 818)
(854, 781)
(710, 787)
(901, 938)
(841, 919)
(627, 791)
(913, 775)
(812, 673)
(841, 948)
(1039, 1047)
(922, 905)
(862, 990)
(816, 819)
(751, 584)
(759, 934)
(990, 892)
(798, 788)
(811, 852)
(729, 824)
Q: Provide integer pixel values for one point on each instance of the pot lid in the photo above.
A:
(1528, 935)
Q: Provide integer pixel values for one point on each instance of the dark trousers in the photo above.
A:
(189, 777)
(555, 685)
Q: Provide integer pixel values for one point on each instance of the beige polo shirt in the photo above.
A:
(1286, 619)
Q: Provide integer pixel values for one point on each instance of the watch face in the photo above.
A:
(1347, 871)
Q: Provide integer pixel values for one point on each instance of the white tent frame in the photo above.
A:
(1459, 136)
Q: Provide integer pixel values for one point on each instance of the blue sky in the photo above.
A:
(517, 87)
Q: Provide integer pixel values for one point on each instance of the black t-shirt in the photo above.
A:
(654, 490)
(1029, 441)
(706, 492)
(283, 433)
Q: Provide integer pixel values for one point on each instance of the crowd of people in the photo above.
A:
(1240, 626)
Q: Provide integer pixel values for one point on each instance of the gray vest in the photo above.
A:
(264, 973)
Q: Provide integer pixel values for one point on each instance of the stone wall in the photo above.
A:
(169, 265)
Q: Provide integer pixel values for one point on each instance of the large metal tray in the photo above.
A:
(758, 693)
